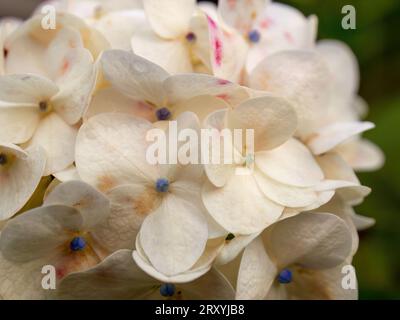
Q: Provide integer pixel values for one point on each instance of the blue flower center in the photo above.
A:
(285, 276)
(254, 36)
(163, 114)
(77, 244)
(162, 185)
(167, 290)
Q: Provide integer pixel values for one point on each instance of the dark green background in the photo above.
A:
(376, 42)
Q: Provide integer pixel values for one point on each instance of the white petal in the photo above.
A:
(362, 155)
(134, 76)
(300, 76)
(17, 125)
(116, 277)
(285, 195)
(172, 55)
(20, 180)
(70, 173)
(118, 27)
(93, 206)
(239, 14)
(233, 248)
(342, 63)
(240, 207)
(26, 89)
(256, 274)
(107, 139)
(76, 85)
(174, 235)
(57, 138)
(169, 20)
(291, 163)
(362, 222)
(272, 118)
(329, 137)
(130, 205)
(39, 232)
(109, 100)
(313, 240)
(183, 87)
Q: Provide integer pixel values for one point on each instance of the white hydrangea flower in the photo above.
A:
(181, 38)
(20, 174)
(111, 153)
(7, 26)
(144, 89)
(125, 280)
(285, 174)
(62, 233)
(298, 258)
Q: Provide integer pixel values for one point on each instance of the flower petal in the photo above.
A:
(76, 85)
(240, 207)
(107, 139)
(57, 138)
(20, 180)
(39, 232)
(174, 235)
(172, 55)
(183, 87)
(134, 76)
(327, 138)
(92, 205)
(272, 118)
(285, 195)
(169, 20)
(256, 274)
(312, 240)
(307, 85)
(291, 163)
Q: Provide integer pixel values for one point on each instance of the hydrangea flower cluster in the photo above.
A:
(78, 193)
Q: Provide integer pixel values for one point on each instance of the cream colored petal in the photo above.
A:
(20, 178)
(134, 76)
(183, 87)
(108, 139)
(241, 15)
(240, 207)
(130, 205)
(327, 138)
(256, 274)
(272, 118)
(169, 20)
(291, 163)
(57, 138)
(312, 240)
(117, 277)
(172, 55)
(39, 232)
(174, 235)
(285, 195)
(92, 205)
(77, 81)
(362, 155)
(18, 125)
(70, 173)
(26, 89)
(300, 76)
(109, 100)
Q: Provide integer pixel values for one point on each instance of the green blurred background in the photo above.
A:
(376, 42)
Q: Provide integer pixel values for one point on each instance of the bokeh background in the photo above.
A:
(376, 42)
